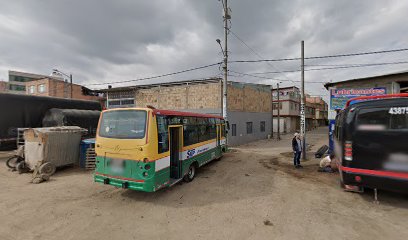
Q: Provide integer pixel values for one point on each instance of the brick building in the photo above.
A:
(56, 87)
(289, 110)
(321, 110)
(249, 105)
(17, 81)
(3, 86)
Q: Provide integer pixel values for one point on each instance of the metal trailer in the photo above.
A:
(48, 148)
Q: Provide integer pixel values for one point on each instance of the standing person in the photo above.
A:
(297, 150)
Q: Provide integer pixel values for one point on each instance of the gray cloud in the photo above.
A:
(105, 41)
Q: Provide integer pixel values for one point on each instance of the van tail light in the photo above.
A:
(348, 151)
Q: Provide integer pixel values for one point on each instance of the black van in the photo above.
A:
(371, 143)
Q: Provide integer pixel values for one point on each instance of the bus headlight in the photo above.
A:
(147, 167)
(145, 174)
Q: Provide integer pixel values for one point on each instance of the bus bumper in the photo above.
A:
(372, 181)
(133, 184)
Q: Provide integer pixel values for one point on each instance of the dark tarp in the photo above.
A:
(87, 119)
(24, 111)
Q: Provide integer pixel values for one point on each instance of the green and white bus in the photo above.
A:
(148, 149)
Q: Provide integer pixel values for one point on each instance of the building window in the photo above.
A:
(41, 88)
(275, 105)
(233, 130)
(127, 102)
(262, 126)
(249, 127)
(13, 87)
(32, 89)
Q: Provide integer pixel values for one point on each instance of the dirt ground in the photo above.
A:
(252, 193)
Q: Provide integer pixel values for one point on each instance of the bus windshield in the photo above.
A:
(124, 124)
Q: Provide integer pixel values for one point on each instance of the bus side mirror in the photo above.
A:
(228, 126)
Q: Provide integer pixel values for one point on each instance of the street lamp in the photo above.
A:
(224, 88)
(219, 42)
(56, 71)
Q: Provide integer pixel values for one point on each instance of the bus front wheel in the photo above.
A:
(191, 173)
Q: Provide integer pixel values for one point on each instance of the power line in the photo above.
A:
(211, 77)
(320, 57)
(267, 78)
(257, 54)
(158, 76)
(357, 66)
(249, 61)
(338, 67)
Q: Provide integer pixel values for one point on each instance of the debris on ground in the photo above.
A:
(268, 223)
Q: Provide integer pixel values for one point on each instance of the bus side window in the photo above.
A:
(222, 128)
(190, 131)
(163, 133)
(213, 128)
(204, 129)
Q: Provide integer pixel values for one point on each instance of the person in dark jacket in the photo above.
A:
(297, 150)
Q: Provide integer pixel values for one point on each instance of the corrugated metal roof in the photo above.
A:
(330, 84)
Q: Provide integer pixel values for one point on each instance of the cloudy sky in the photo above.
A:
(101, 41)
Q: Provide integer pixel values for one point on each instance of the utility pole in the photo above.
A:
(302, 101)
(70, 79)
(224, 99)
(279, 104)
(272, 111)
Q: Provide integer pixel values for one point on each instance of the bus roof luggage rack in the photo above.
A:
(365, 98)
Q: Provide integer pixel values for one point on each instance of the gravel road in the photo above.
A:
(252, 193)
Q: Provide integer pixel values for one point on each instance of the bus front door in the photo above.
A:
(175, 149)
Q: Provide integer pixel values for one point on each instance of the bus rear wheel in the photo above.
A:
(191, 173)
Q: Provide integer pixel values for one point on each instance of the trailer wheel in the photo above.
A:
(191, 173)
(12, 162)
(21, 167)
(45, 177)
(47, 169)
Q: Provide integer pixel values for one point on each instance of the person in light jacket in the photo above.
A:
(297, 150)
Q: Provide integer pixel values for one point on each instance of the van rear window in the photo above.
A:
(377, 119)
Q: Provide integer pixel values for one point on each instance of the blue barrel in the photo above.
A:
(86, 144)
